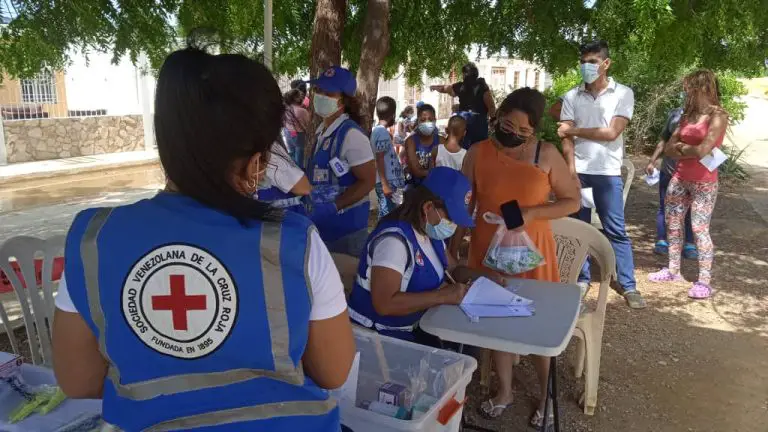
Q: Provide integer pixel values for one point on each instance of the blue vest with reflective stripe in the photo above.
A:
(279, 198)
(420, 276)
(351, 219)
(203, 320)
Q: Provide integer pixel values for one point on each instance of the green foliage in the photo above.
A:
(651, 40)
(560, 85)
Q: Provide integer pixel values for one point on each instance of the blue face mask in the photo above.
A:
(325, 106)
(443, 230)
(590, 72)
(426, 128)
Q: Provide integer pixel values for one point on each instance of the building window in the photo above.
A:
(536, 79)
(517, 80)
(40, 89)
(499, 78)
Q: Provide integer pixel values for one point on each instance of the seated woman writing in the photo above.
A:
(404, 268)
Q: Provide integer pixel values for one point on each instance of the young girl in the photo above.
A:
(701, 129)
(452, 154)
(421, 147)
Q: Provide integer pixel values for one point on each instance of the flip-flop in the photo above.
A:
(700, 291)
(537, 420)
(489, 410)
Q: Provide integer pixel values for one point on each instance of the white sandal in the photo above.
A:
(490, 410)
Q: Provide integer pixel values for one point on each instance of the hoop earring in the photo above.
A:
(251, 184)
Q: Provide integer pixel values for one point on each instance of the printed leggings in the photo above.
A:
(700, 197)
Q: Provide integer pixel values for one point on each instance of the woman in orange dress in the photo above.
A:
(514, 165)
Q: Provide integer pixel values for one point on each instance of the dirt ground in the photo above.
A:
(679, 365)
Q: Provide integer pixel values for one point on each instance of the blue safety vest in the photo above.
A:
(203, 320)
(423, 153)
(420, 276)
(283, 200)
(319, 172)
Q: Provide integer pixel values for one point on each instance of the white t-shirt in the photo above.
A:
(586, 111)
(327, 290)
(356, 148)
(281, 171)
(392, 253)
(451, 160)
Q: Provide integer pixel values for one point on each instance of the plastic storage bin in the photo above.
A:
(385, 359)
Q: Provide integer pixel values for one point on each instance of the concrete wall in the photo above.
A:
(43, 139)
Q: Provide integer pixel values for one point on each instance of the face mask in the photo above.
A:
(324, 105)
(509, 139)
(590, 72)
(426, 128)
(443, 230)
(470, 78)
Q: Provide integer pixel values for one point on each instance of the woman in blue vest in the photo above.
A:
(341, 168)
(403, 267)
(202, 308)
(421, 147)
(284, 184)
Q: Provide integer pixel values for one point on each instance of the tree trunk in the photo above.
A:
(327, 30)
(375, 49)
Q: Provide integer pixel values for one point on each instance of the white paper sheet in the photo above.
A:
(486, 298)
(714, 159)
(587, 200)
(653, 178)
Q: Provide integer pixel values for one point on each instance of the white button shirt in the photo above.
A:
(587, 111)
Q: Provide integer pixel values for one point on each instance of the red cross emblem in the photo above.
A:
(178, 302)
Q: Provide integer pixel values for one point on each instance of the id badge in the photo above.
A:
(320, 175)
(338, 167)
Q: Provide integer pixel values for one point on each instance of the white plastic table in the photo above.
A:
(546, 333)
(64, 414)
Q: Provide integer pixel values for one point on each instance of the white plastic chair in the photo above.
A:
(575, 240)
(35, 301)
(347, 266)
(630, 168)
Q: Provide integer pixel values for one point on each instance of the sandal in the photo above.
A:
(537, 420)
(665, 275)
(661, 248)
(635, 300)
(491, 411)
(690, 252)
(700, 291)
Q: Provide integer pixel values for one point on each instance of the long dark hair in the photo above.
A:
(413, 203)
(527, 100)
(211, 111)
(352, 108)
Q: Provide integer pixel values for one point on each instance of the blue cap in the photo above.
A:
(336, 79)
(454, 190)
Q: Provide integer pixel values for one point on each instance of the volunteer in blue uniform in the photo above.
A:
(284, 184)
(341, 169)
(202, 308)
(403, 267)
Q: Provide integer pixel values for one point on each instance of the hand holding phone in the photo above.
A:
(512, 214)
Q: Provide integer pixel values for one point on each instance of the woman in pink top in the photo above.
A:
(694, 186)
(296, 123)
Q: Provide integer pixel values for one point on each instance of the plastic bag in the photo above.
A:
(510, 251)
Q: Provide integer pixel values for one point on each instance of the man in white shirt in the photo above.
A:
(592, 123)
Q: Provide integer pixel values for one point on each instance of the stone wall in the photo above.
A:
(43, 139)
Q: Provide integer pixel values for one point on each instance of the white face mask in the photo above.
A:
(590, 72)
(426, 128)
(324, 105)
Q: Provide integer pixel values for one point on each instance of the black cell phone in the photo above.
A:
(513, 217)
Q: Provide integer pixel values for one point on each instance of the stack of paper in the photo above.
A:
(486, 298)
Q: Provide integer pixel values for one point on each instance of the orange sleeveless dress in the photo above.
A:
(498, 179)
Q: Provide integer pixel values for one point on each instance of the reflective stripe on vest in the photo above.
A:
(259, 412)
(368, 323)
(278, 326)
(365, 283)
(285, 203)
